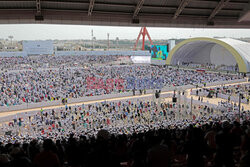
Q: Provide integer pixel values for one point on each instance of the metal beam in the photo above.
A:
(91, 7)
(138, 8)
(151, 15)
(156, 7)
(183, 4)
(111, 19)
(232, 2)
(38, 7)
(187, 16)
(245, 14)
(218, 8)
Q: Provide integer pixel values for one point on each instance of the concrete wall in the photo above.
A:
(70, 53)
(13, 54)
(103, 53)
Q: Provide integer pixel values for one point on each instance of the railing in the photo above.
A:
(221, 95)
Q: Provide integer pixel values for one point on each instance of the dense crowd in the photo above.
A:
(48, 84)
(20, 63)
(117, 117)
(131, 133)
(128, 133)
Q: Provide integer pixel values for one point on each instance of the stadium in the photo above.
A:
(132, 102)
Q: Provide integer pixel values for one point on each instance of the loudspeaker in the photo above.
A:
(135, 21)
(210, 23)
(157, 95)
(168, 47)
(39, 18)
(174, 99)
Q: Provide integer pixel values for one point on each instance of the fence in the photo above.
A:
(221, 95)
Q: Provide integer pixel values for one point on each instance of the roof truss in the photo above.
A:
(91, 7)
(138, 8)
(38, 7)
(218, 8)
(183, 4)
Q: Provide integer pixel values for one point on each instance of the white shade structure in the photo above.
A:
(224, 51)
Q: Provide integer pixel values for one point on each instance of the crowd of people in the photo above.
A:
(49, 84)
(29, 62)
(88, 119)
(230, 92)
(130, 133)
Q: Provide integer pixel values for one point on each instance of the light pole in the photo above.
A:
(108, 41)
(94, 42)
(179, 103)
(191, 110)
(239, 104)
(117, 40)
(92, 38)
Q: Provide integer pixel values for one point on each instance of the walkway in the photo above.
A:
(216, 100)
(210, 100)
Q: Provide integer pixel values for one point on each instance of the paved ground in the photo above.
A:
(216, 100)
(2, 114)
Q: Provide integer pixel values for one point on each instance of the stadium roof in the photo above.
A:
(223, 51)
(160, 13)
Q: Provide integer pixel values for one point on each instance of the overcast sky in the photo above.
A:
(45, 31)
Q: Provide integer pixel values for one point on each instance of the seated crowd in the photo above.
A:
(22, 63)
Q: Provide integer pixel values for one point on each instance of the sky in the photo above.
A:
(67, 32)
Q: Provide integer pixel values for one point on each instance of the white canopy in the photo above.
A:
(223, 51)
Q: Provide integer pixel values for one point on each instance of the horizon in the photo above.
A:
(82, 32)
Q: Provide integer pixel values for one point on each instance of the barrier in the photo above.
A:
(223, 96)
(70, 101)
(101, 97)
(32, 113)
